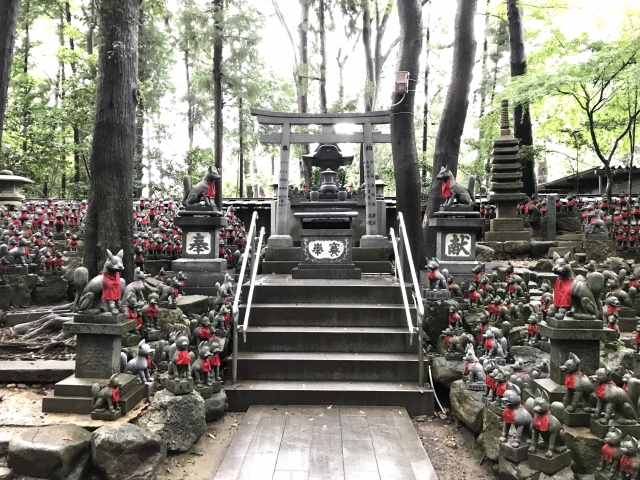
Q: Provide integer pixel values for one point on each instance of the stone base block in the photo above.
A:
(131, 339)
(495, 407)
(454, 357)
(206, 391)
(475, 386)
(168, 305)
(162, 366)
(628, 324)
(538, 461)
(506, 224)
(149, 389)
(179, 387)
(186, 265)
(280, 241)
(435, 295)
(571, 324)
(106, 415)
(519, 235)
(370, 241)
(579, 418)
(555, 391)
(599, 428)
(517, 455)
(152, 335)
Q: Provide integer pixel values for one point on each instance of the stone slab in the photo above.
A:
(199, 265)
(576, 333)
(507, 236)
(506, 224)
(36, 371)
(182, 387)
(575, 324)
(538, 461)
(579, 418)
(516, 455)
(106, 415)
(600, 429)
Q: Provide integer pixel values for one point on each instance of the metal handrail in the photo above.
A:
(416, 295)
(252, 284)
(235, 311)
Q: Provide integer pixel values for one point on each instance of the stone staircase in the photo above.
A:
(328, 342)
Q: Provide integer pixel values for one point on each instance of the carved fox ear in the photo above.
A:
(555, 256)
(538, 393)
(545, 395)
(120, 254)
(109, 254)
(574, 357)
(142, 342)
(210, 170)
(567, 258)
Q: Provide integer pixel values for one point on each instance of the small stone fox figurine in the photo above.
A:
(453, 191)
(205, 190)
(611, 453)
(579, 386)
(180, 365)
(107, 396)
(140, 364)
(514, 414)
(629, 462)
(547, 422)
(436, 279)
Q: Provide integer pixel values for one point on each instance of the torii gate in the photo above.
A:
(281, 238)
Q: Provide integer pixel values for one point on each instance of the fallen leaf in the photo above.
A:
(212, 436)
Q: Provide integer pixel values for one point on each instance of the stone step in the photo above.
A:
(328, 339)
(328, 366)
(381, 267)
(279, 289)
(310, 315)
(282, 267)
(417, 401)
(36, 371)
(506, 166)
(82, 405)
(569, 237)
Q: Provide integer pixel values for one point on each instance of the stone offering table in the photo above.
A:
(200, 260)
(98, 346)
(326, 240)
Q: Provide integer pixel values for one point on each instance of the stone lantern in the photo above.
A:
(10, 185)
(379, 186)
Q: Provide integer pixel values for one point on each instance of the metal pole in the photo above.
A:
(420, 352)
(234, 368)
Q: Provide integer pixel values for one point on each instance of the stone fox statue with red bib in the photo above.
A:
(576, 295)
(104, 292)
(453, 191)
(205, 190)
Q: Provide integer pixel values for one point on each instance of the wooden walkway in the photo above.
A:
(320, 443)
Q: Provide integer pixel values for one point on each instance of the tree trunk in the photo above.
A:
(521, 117)
(217, 100)
(368, 56)
(425, 113)
(109, 224)
(140, 116)
(25, 69)
(241, 166)
(303, 77)
(609, 173)
(454, 114)
(405, 155)
(8, 22)
(323, 58)
(189, 101)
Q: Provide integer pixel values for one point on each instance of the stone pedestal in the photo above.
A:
(517, 455)
(600, 428)
(538, 461)
(456, 240)
(179, 386)
(200, 260)
(326, 240)
(98, 346)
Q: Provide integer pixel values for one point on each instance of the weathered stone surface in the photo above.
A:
(484, 253)
(599, 250)
(48, 452)
(190, 304)
(517, 247)
(541, 248)
(497, 247)
(620, 360)
(491, 431)
(5, 297)
(618, 263)
(438, 320)
(445, 372)
(179, 420)
(81, 469)
(21, 288)
(528, 355)
(467, 406)
(517, 335)
(569, 224)
(52, 289)
(564, 474)
(126, 452)
(585, 449)
(171, 320)
(6, 473)
(215, 406)
(543, 265)
(516, 471)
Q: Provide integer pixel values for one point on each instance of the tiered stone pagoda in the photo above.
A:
(506, 185)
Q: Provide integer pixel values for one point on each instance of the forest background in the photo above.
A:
(315, 55)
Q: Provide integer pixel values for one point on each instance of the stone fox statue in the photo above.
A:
(107, 287)
(205, 190)
(106, 396)
(452, 190)
(582, 297)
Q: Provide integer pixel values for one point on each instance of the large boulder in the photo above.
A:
(48, 452)
(517, 247)
(528, 355)
(127, 452)
(491, 431)
(541, 248)
(467, 406)
(445, 372)
(215, 406)
(52, 289)
(21, 288)
(585, 449)
(178, 419)
(190, 304)
(172, 320)
(484, 253)
(543, 265)
(5, 297)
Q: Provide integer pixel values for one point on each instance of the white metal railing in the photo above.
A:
(250, 250)
(398, 251)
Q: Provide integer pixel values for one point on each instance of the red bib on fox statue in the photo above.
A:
(608, 453)
(211, 189)
(111, 286)
(183, 358)
(446, 189)
(562, 293)
(508, 415)
(541, 422)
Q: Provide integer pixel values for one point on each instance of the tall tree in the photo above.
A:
(8, 21)
(521, 115)
(218, 15)
(114, 137)
(403, 138)
(447, 148)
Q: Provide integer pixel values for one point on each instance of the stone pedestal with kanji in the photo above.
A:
(457, 228)
(200, 260)
(98, 347)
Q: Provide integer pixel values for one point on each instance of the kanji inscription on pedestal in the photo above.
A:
(458, 245)
(198, 243)
(325, 250)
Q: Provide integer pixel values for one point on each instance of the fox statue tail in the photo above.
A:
(186, 180)
(80, 280)
(471, 185)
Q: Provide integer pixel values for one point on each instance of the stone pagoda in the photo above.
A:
(506, 185)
